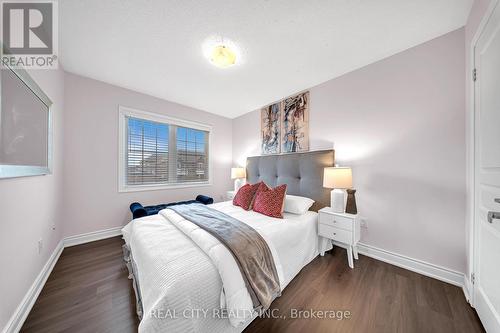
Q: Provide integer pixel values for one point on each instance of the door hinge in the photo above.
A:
(474, 75)
(473, 278)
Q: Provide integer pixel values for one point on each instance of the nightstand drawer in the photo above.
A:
(337, 234)
(336, 221)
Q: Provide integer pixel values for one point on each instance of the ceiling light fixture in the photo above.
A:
(223, 56)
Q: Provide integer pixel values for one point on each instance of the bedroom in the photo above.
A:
(159, 102)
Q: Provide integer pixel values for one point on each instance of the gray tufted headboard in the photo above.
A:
(302, 172)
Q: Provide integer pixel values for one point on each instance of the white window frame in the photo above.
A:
(125, 112)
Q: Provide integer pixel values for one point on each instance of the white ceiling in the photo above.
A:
(155, 46)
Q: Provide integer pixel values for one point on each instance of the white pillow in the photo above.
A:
(297, 205)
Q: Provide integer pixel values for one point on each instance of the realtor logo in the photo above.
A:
(29, 34)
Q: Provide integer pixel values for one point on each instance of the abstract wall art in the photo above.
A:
(270, 117)
(295, 123)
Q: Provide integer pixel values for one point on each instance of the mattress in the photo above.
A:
(180, 286)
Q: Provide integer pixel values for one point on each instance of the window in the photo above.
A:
(147, 152)
(160, 152)
(191, 155)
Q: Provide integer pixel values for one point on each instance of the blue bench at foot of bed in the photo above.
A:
(139, 210)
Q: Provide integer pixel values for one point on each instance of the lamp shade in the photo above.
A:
(337, 177)
(238, 173)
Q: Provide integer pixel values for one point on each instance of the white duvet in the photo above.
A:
(186, 275)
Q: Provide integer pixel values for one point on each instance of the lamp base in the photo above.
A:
(351, 207)
(337, 200)
(238, 183)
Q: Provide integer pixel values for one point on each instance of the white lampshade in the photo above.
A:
(238, 173)
(337, 177)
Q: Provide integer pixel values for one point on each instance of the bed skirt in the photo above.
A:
(132, 275)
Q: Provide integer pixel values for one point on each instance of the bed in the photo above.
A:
(187, 281)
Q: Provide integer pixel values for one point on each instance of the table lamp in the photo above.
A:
(238, 174)
(340, 179)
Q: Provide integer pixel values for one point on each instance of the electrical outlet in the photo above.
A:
(363, 223)
(53, 226)
(40, 245)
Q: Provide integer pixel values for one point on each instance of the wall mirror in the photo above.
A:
(25, 126)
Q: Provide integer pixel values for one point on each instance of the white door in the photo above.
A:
(487, 175)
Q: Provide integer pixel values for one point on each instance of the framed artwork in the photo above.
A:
(295, 123)
(270, 117)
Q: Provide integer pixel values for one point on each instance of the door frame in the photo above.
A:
(471, 154)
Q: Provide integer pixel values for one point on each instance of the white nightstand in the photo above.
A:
(230, 195)
(342, 228)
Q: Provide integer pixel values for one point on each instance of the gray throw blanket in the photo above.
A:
(247, 246)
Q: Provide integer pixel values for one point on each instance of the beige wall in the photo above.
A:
(30, 210)
(400, 123)
(92, 201)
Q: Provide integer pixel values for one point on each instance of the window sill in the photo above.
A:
(140, 188)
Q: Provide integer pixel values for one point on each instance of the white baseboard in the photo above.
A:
(467, 287)
(415, 265)
(92, 236)
(17, 320)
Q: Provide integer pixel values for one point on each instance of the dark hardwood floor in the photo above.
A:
(88, 291)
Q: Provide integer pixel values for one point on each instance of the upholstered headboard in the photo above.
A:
(302, 172)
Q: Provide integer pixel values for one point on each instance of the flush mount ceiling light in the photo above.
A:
(223, 56)
(221, 52)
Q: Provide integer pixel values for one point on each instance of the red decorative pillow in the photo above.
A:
(269, 201)
(245, 195)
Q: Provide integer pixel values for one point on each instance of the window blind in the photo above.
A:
(192, 159)
(160, 153)
(147, 152)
